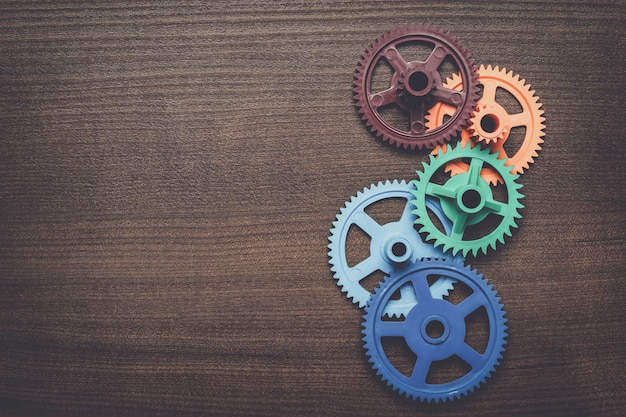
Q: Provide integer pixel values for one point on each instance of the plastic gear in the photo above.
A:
(392, 245)
(491, 123)
(430, 348)
(467, 199)
(415, 86)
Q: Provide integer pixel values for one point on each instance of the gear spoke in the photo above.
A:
(422, 290)
(417, 118)
(489, 92)
(364, 268)
(470, 304)
(387, 328)
(496, 207)
(440, 191)
(420, 371)
(498, 148)
(384, 98)
(520, 119)
(366, 223)
(407, 291)
(469, 355)
(449, 96)
(407, 300)
(458, 226)
(475, 167)
(442, 287)
(407, 216)
(436, 57)
(395, 59)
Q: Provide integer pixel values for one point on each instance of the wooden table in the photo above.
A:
(169, 173)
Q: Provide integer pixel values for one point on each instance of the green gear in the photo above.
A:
(467, 199)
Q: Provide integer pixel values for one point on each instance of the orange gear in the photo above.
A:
(491, 123)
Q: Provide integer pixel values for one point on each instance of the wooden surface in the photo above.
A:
(169, 172)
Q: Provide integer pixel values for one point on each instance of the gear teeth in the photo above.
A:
(376, 123)
(381, 364)
(447, 247)
(465, 247)
(342, 272)
(535, 131)
(505, 170)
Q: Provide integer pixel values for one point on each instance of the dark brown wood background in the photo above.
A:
(169, 172)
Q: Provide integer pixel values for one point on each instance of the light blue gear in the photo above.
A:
(428, 347)
(383, 238)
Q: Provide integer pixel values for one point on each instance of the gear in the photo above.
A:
(466, 200)
(435, 331)
(491, 123)
(392, 245)
(415, 86)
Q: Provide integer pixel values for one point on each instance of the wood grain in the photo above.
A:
(169, 172)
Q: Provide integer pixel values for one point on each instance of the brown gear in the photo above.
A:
(499, 123)
(415, 87)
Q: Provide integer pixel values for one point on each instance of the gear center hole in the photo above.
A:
(398, 249)
(418, 81)
(471, 199)
(435, 329)
(489, 123)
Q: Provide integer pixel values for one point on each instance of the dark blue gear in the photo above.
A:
(428, 348)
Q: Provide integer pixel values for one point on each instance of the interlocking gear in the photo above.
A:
(467, 200)
(434, 330)
(415, 87)
(392, 245)
(491, 122)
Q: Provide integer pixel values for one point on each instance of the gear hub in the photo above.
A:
(414, 86)
(489, 123)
